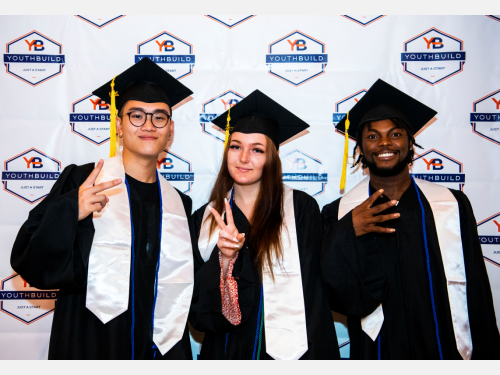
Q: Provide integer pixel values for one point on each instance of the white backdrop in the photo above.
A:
(316, 66)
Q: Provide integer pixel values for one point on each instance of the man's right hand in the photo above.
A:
(364, 219)
(88, 198)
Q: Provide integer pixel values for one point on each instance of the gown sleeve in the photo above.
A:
(483, 323)
(52, 248)
(352, 269)
(206, 306)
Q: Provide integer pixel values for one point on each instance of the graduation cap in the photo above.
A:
(383, 101)
(258, 113)
(144, 81)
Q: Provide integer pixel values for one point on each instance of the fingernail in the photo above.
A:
(394, 202)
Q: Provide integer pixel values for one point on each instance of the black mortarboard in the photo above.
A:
(145, 81)
(258, 113)
(383, 101)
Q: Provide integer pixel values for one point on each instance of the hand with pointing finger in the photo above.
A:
(88, 198)
(230, 240)
(364, 217)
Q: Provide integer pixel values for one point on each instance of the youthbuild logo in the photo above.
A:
(433, 56)
(170, 52)
(100, 21)
(489, 237)
(296, 58)
(90, 119)
(23, 302)
(213, 108)
(434, 166)
(363, 20)
(176, 170)
(345, 105)
(230, 21)
(34, 58)
(485, 118)
(30, 175)
(304, 172)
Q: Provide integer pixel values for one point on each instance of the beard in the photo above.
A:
(391, 171)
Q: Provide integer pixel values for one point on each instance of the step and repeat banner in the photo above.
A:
(316, 66)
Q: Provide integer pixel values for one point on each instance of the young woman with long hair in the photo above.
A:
(258, 292)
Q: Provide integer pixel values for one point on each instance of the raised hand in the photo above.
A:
(88, 198)
(230, 240)
(364, 219)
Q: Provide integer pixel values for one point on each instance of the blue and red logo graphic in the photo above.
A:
(172, 53)
(34, 58)
(489, 237)
(434, 166)
(90, 119)
(24, 302)
(363, 20)
(296, 58)
(230, 21)
(30, 175)
(304, 172)
(99, 21)
(213, 108)
(345, 105)
(485, 118)
(176, 170)
(433, 56)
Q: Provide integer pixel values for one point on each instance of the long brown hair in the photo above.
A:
(267, 217)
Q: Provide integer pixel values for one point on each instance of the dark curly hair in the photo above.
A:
(361, 158)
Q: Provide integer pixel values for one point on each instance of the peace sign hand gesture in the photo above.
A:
(364, 219)
(230, 240)
(88, 198)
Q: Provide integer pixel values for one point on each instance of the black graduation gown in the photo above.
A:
(206, 306)
(362, 272)
(52, 251)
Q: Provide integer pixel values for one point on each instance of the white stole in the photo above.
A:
(110, 256)
(284, 310)
(447, 221)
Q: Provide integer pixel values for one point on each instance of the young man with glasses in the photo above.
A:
(113, 237)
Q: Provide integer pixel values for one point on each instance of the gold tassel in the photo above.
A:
(228, 128)
(346, 153)
(114, 143)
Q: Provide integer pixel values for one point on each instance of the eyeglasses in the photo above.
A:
(138, 118)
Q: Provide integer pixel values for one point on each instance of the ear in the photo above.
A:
(170, 139)
(119, 129)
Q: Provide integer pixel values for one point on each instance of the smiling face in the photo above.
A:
(386, 148)
(145, 140)
(246, 157)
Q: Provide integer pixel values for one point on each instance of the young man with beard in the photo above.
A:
(114, 238)
(401, 257)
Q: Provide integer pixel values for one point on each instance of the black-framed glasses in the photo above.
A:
(158, 119)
